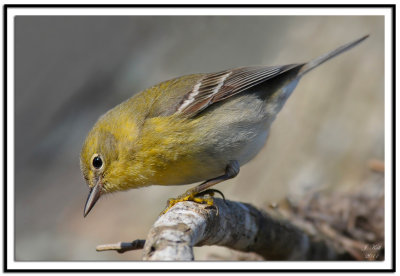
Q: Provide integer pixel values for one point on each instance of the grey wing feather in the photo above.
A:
(215, 87)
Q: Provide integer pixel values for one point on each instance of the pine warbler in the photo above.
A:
(189, 129)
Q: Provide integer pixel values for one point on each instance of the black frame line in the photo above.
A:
(393, 35)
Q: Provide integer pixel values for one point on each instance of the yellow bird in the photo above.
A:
(200, 127)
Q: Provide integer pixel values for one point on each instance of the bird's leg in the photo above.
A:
(232, 170)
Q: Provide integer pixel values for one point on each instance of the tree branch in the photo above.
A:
(235, 225)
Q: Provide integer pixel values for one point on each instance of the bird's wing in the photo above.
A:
(215, 87)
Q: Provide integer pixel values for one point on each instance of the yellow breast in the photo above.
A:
(172, 149)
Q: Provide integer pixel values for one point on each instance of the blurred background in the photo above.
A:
(70, 70)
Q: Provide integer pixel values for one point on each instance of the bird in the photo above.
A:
(193, 128)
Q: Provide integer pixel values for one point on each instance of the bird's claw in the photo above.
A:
(198, 198)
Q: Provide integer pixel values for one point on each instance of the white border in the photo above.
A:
(197, 11)
(198, 265)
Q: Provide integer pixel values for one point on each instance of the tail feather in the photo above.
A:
(318, 61)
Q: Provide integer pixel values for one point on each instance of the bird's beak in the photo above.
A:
(94, 195)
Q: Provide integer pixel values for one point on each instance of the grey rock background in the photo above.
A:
(70, 70)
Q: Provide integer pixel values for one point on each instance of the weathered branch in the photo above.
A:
(122, 247)
(235, 225)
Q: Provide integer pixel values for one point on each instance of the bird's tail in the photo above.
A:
(318, 61)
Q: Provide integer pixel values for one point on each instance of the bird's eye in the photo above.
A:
(97, 162)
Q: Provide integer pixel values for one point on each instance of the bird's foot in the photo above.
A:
(195, 197)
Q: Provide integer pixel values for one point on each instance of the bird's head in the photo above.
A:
(98, 157)
(107, 157)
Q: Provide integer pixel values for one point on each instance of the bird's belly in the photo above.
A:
(211, 162)
(242, 146)
(185, 170)
(250, 148)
